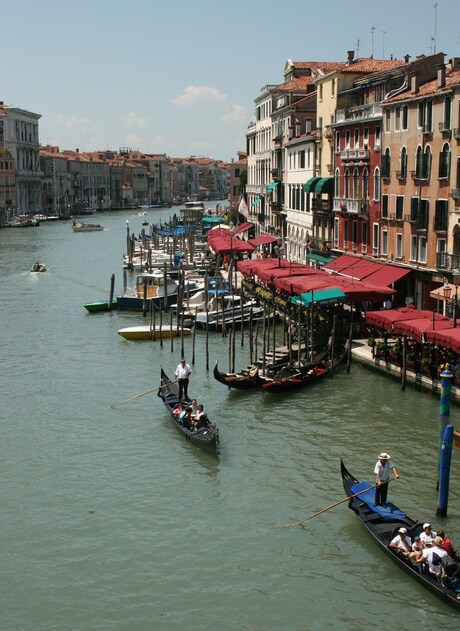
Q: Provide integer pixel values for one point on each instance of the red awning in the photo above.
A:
(386, 318)
(252, 267)
(268, 275)
(450, 338)
(244, 227)
(420, 327)
(362, 269)
(263, 239)
(387, 275)
(303, 284)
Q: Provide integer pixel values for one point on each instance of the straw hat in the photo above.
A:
(384, 456)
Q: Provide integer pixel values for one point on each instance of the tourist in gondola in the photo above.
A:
(427, 535)
(446, 543)
(432, 557)
(382, 471)
(401, 542)
(182, 375)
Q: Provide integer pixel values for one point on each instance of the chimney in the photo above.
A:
(350, 56)
(454, 63)
(441, 76)
(414, 83)
(406, 59)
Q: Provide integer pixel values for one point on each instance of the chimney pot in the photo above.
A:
(350, 56)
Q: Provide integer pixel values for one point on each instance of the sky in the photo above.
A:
(180, 76)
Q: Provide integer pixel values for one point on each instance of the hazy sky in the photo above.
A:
(180, 76)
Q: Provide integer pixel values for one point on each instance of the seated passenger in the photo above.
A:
(177, 410)
(432, 557)
(427, 535)
(446, 544)
(200, 418)
(401, 542)
(186, 418)
(193, 406)
(416, 547)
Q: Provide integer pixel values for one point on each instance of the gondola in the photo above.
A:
(204, 437)
(383, 523)
(294, 379)
(244, 380)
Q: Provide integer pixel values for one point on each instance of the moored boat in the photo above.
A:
(101, 305)
(206, 437)
(146, 332)
(150, 286)
(383, 524)
(244, 380)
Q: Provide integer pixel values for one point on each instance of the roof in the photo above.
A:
(368, 64)
(430, 88)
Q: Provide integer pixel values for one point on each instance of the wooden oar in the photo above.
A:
(143, 394)
(346, 499)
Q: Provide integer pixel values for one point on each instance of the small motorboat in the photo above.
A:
(101, 305)
(87, 227)
(38, 267)
(147, 332)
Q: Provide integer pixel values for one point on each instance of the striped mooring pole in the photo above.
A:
(444, 418)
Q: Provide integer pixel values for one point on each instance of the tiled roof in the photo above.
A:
(324, 66)
(367, 64)
(298, 83)
(430, 88)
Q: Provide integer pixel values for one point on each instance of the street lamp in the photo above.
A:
(446, 290)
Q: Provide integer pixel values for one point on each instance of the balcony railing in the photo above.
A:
(358, 112)
(354, 154)
(455, 193)
(447, 262)
(401, 175)
(444, 128)
(418, 178)
(457, 133)
(320, 205)
(352, 206)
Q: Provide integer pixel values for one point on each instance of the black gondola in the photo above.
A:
(288, 379)
(206, 437)
(241, 381)
(383, 523)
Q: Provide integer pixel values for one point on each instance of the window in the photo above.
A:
(423, 214)
(366, 137)
(302, 159)
(386, 164)
(440, 246)
(387, 120)
(385, 242)
(377, 184)
(333, 87)
(422, 249)
(336, 232)
(400, 207)
(320, 91)
(385, 206)
(355, 184)
(379, 93)
(414, 204)
(397, 118)
(377, 137)
(345, 231)
(447, 110)
(337, 141)
(444, 162)
(413, 248)
(346, 192)
(364, 234)
(347, 139)
(365, 183)
(399, 245)
(404, 117)
(403, 170)
(441, 216)
(427, 163)
(375, 237)
(356, 138)
(337, 183)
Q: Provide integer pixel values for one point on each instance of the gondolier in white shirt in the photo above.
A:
(182, 375)
(382, 471)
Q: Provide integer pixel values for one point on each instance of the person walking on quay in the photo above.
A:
(182, 375)
(382, 471)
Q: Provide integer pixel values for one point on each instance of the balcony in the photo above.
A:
(401, 175)
(350, 206)
(357, 155)
(321, 205)
(444, 128)
(457, 133)
(455, 193)
(261, 217)
(427, 130)
(447, 262)
(418, 178)
(360, 112)
(275, 173)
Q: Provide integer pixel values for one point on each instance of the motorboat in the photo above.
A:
(86, 227)
(151, 287)
(147, 332)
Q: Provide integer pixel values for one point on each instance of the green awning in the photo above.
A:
(212, 220)
(322, 296)
(309, 185)
(325, 185)
(271, 186)
(256, 201)
(319, 258)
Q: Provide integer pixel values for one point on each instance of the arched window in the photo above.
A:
(426, 174)
(346, 192)
(444, 161)
(355, 184)
(419, 162)
(386, 163)
(403, 166)
(377, 184)
(365, 183)
(337, 183)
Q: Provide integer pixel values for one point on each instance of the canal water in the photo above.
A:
(111, 521)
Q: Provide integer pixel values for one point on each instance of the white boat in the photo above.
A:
(152, 286)
(86, 227)
(230, 311)
(146, 332)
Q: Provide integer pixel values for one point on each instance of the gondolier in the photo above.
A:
(182, 374)
(382, 471)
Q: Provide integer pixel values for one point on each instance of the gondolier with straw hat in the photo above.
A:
(382, 471)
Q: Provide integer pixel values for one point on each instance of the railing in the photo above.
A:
(400, 175)
(320, 205)
(455, 193)
(358, 112)
(444, 128)
(418, 178)
(352, 206)
(354, 154)
(457, 133)
(447, 262)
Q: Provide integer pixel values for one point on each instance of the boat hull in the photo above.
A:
(152, 333)
(102, 305)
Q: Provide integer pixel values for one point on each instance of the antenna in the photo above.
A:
(372, 33)
(383, 44)
(358, 46)
(435, 7)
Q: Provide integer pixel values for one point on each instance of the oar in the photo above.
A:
(350, 497)
(143, 393)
